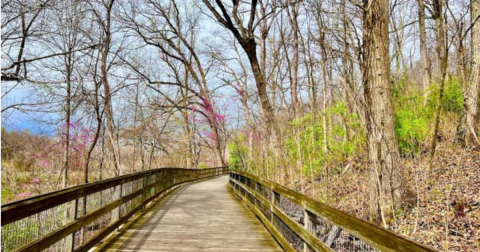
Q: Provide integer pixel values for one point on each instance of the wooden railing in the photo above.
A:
(318, 227)
(75, 219)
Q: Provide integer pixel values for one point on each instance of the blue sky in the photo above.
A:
(13, 119)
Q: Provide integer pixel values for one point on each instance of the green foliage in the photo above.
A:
(237, 153)
(412, 120)
(340, 142)
(452, 98)
(202, 165)
(305, 144)
(7, 195)
(414, 116)
(411, 130)
(307, 141)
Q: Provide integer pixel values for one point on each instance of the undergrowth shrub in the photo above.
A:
(452, 96)
(237, 153)
(347, 136)
(412, 120)
(414, 117)
(306, 144)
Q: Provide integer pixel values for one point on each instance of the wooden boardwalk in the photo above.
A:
(203, 216)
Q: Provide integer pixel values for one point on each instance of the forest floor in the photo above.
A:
(448, 210)
(444, 211)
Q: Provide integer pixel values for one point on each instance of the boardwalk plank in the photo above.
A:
(204, 216)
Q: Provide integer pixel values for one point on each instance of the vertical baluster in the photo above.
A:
(75, 216)
(275, 201)
(67, 215)
(310, 224)
(256, 190)
(144, 194)
(162, 177)
(239, 181)
(245, 184)
(120, 189)
(155, 187)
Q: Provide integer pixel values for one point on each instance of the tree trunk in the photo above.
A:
(68, 111)
(386, 175)
(98, 114)
(111, 133)
(424, 62)
(188, 137)
(323, 63)
(292, 17)
(442, 55)
(347, 80)
(261, 83)
(69, 213)
(472, 92)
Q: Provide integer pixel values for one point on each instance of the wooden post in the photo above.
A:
(310, 224)
(155, 188)
(75, 217)
(68, 240)
(120, 195)
(144, 194)
(245, 185)
(274, 202)
(173, 178)
(116, 194)
(164, 179)
(120, 207)
(256, 191)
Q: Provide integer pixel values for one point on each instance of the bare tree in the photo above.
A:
(245, 35)
(102, 11)
(23, 17)
(181, 49)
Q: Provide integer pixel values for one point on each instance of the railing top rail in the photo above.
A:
(35, 204)
(378, 237)
(64, 220)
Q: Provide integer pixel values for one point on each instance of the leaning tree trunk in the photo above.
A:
(386, 176)
(262, 90)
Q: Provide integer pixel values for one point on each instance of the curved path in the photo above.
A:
(204, 216)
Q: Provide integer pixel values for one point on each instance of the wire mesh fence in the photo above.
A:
(50, 222)
(291, 220)
(29, 229)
